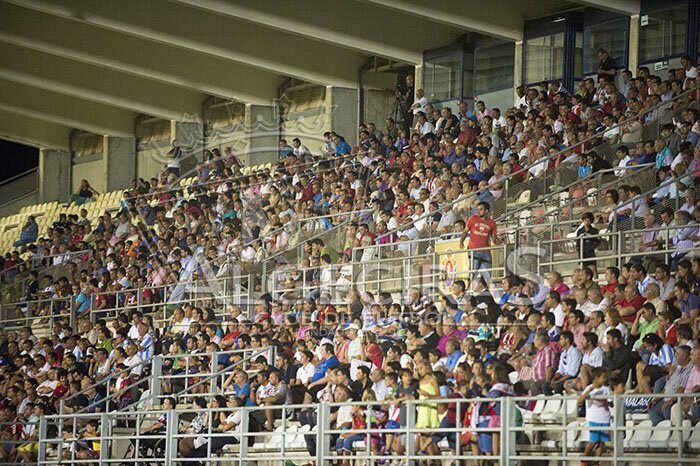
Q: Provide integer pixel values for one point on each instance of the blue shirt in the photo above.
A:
(664, 357)
(323, 368)
(243, 392)
(452, 359)
(82, 302)
(343, 148)
(690, 303)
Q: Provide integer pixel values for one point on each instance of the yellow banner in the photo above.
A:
(453, 263)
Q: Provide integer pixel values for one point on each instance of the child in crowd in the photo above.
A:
(598, 413)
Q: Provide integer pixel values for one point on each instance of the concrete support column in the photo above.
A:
(517, 68)
(190, 136)
(343, 102)
(633, 48)
(54, 175)
(262, 126)
(119, 156)
(418, 77)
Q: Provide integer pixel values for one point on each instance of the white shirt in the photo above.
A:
(354, 348)
(619, 172)
(304, 373)
(133, 362)
(426, 128)
(594, 358)
(423, 101)
(598, 411)
(380, 390)
(558, 316)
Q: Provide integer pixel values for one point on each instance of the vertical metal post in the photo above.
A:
(507, 440)
(156, 376)
(410, 438)
(105, 431)
(245, 418)
(619, 432)
(214, 369)
(322, 424)
(43, 427)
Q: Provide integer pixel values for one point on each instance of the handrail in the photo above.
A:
(537, 162)
(593, 176)
(508, 450)
(34, 258)
(105, 381)
(20, 175)
(213, 376)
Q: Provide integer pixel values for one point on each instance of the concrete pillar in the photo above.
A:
(633, 48)
(263, 133)
(54, 175)
(190, 136)
(343, 102)
(119, 158)
(418, 77)
(517, 68)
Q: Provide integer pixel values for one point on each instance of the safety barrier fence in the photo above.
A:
(551, 431)
(217, 293)
(622, 247)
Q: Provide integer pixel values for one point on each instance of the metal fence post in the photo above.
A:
(619, 432)
(410, 425)
(43, 427)
(105, 431)
(245, 418)
(322, 424)
(507, 440)
(213, 370)
(156, 376)
(171, 442)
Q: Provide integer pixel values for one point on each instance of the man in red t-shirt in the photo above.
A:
(481, 230)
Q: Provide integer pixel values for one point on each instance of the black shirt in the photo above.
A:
(607, 64)
(618, 359)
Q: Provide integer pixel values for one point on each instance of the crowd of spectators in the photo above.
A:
(434, 175)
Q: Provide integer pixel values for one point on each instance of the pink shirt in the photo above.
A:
(693, 380)
(543, 359)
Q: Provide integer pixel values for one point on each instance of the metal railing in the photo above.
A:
(560, 435)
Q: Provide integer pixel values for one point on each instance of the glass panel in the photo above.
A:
(664, 35)
(611, 36)
(441, 77)
(494, 68)
(544, 58)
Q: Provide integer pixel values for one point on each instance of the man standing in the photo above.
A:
(481, 229)
(606, 67)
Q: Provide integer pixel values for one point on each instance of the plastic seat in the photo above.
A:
(273, 443)
(685, 435)
(572, 433)
(551, 410)
(694, 439)
(640, 438)
(536, 410)
(661, 435)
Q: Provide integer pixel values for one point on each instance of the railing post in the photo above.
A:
(507, 437)
(156, 376)
(170, 441)
(72, 319)
(214, 369)
(410, 438)
(105, 431)
(322, 424)
(245, 417)
(619, 432)
(43, 427)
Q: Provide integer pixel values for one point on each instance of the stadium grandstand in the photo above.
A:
(350, 232)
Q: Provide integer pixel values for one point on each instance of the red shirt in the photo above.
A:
(636, 303)
(669, 336)
(479, 231)
(609, 288)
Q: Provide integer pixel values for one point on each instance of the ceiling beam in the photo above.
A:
(357, 28)
(623, 7)
(213, 35)
(134, 56)
(96, 84)
(32, 132)
(64, 110)
(465, 15)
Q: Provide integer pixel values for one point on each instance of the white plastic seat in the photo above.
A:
(536, 410)
(685, 435)
(661, 435)
(640, 438)
(694, 439)
(572, 433)
(297, 442)
(273, 443)
(551, 410)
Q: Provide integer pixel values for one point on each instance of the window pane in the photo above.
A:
(610, 36)
(664, 35)
(544, 58)
(494, 68)
(441, 77)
